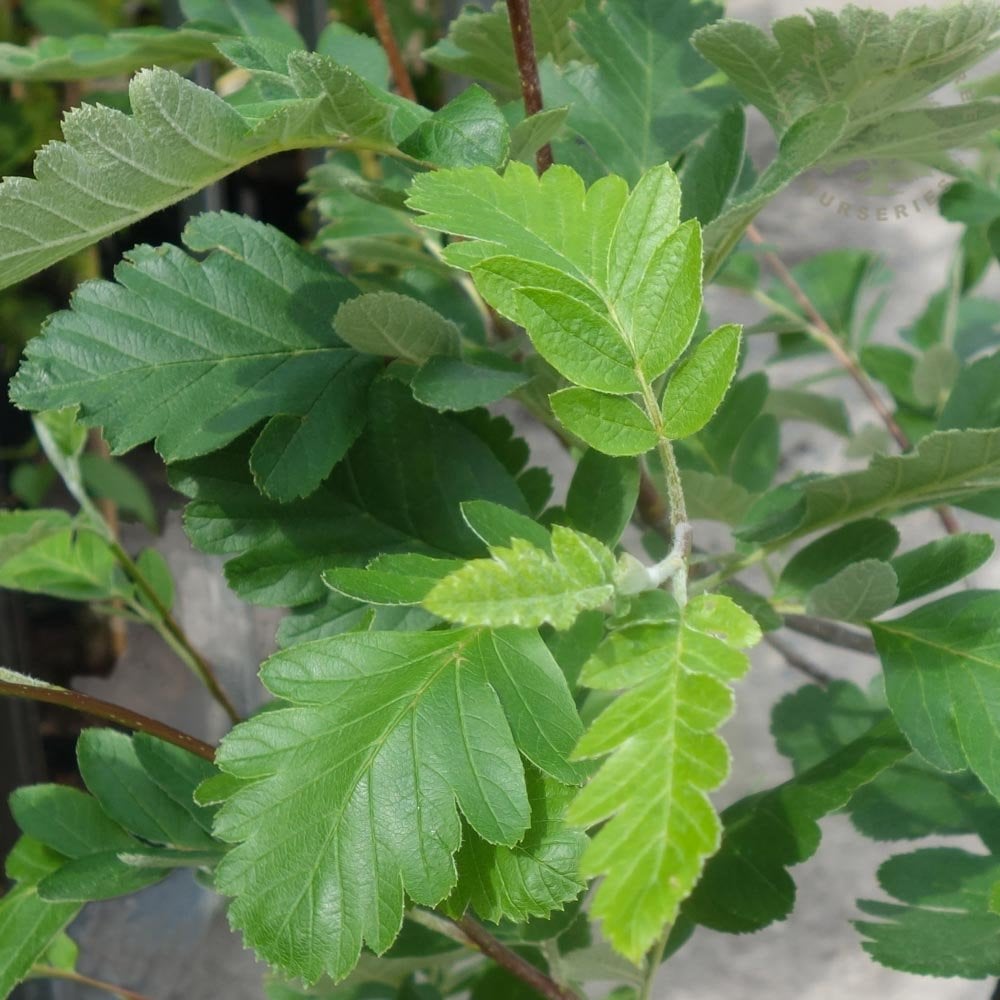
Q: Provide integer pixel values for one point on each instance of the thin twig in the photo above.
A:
(797, 662)
(823, 332)
(519, 13)
(832, 634)
(79, 702)
(383, 28)
(512, 962)
(52, 972)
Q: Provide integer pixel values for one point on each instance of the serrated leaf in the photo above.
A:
(375, 503)
(531, 879)
(162, 353)
(521, 584)
(382, 818)
(745, 886)
(178, 139)
(940, 665)
(397, 326)
(602, 495)
(613, 425)
(696, 389)
(945, 926)
(451, 384)
(652, 793)
(945, 466)
(468, 131)
(624, 122)
(937, 564)
(858, 593)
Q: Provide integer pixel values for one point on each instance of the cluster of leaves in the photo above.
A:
(483, 700)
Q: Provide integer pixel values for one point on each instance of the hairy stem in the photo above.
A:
(383, 28)
(822, 332)
(51, 972)
(121, 716)
(168, 627)
(519, 12)
(511, 961)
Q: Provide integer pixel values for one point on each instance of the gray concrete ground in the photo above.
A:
(815, 955)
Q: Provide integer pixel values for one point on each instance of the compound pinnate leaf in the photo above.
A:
(163, 351)
(397, 326)
(696, 389)
(613, 425)
(652, 792)
(944, 924)
(521, 584)
(859, 592)
(745, 885)
(943, 683)
(327, 841)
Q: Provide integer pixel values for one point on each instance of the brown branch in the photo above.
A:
(797, 662)
(824, 333)
(383, 28)
(512, 962)
(832, 634)
(79, 702)
(51, 972)
(519, 12)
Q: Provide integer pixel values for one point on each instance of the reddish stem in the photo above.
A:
(383, 28)
(519, 13)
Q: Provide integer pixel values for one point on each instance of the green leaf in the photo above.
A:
(255, 18)
(68, 821)
(468, 131)
(745, 886)
(696, 389)
(945, 466)
(529, 135)
(375, 503)
(327, 842)
(809, 407)
(396, 326)
(602, 495)
(941, 677)
(940, 563)
(531, 879)
(42, 552)
(652, 793)
(97, 876)
(497, 525)
(755, 460)
(613, 425)
(859, 592)
(451, 384)
(823, 558)
(154, 568)
(521, 584)
(114, 775)
(624, 122)
(177, 773)
(714, 498)
(114, 169)
(712, 171)
(945, 926)
(391, 579)
(104, 479)
(161, 353)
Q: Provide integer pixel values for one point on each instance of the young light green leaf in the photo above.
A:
(451, 384)
(745, 886)
(652, 792)
(537, 876)
(468, 131)
(602, 495)
(696, 389)
(160, 353)
(613, 425)
(178, 139)
(858, 593)
(396, 326)
(521, 584)
(382, 818)
(941, 674)
(937, 564)
(945, 925)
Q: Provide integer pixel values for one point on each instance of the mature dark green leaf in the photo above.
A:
(945, 926)
(327, 842)
(746, 886)
(941, 675)
(712, 171)
(755, 460)
(809, 407)
(937, 564)
(451, 384)
(102, 875)
(602, 495)
(468, 131)
(398, 326)
(858, 593)
(163, 352)
(406, 578)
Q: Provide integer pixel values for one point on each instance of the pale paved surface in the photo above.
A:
(812, 956)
